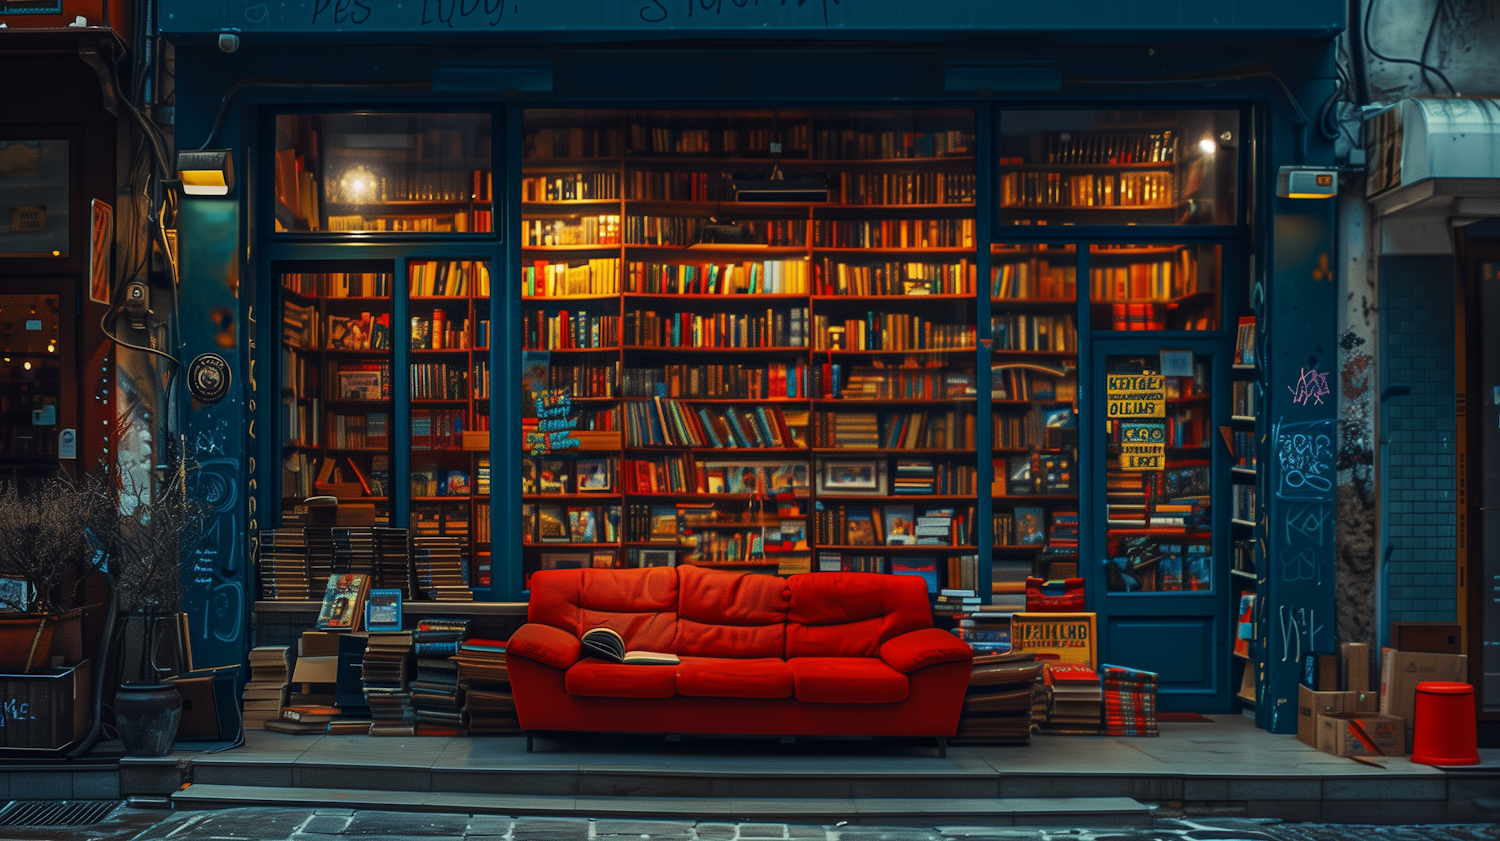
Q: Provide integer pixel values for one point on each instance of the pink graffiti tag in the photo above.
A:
(1310, 388)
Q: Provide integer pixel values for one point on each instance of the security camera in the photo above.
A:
(137, 303)
(229, 42)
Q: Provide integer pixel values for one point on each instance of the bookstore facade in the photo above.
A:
(921, 306)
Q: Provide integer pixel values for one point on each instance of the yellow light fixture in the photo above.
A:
(206, 172)
(1307, 182)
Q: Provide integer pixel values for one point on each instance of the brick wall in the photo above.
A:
(1416, 304)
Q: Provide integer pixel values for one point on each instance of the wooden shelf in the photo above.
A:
(946, 549)
(543, 206)
(670, 448)
(912, 498)
(655, 349)
(1238, 522)
(573, 350)
(965, 298)
(574, 497)
(1242, 367)
(1243, 471)
(887, 451)
(444, 350)
(565, 248)
(716, 298)
(896, 352)
(1243, 418)
(724, 248)
(1165, 165)
(942, 249)
(855, 402)
(455, 498)
(543, 299)
(713, 401)
(543, 544)
(1243, 574)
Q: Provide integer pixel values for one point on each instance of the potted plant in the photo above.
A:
(156, 518)
(45, 552)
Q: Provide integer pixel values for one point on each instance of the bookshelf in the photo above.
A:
(383, 173)
(335, 388)
(449, 412)
(1155, 287)
(1117, 168)
(1034, 416)
(1245, 551)
(765, 341)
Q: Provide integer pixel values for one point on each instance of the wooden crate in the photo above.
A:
(44, 711)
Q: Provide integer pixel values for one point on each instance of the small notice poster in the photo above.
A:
(1135, 396)
(1068, 636)
(1143, 445)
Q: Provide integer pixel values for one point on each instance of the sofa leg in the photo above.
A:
(942, 746)
(529, 742)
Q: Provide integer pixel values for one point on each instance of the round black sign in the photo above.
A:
(208, 378)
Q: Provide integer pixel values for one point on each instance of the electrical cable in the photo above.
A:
(1360, 83)
(243, 84)
(1370, 13)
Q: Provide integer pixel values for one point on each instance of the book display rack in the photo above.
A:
(1034, 415)
(449, 372)
(1245, 571)
(1155, 287)
(750, 341)
(336, 359)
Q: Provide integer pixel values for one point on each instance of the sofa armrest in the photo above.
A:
(925, 647)
(545, 644)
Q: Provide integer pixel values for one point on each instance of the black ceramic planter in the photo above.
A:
(146, 716)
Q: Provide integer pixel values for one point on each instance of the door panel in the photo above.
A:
(1179, 650)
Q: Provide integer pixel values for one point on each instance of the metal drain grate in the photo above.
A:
(55, 812)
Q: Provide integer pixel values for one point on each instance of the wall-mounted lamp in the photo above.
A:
(206, 172)
(1306, 182)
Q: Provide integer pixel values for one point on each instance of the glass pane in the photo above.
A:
(407, 173)
(1118, 167)
(1034, 415)
(1155, 287)
(34, 196)
(30, 376)
(1159, 532)
(450, 423)
(336, 408)
(707, 294)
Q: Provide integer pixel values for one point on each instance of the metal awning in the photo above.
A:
(1435, 155)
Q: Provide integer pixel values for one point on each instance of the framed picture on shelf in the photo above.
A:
(383, 610)
(583, 525)
(594, 475)
(1018, 479)
(565, 560)
(852, 477)
(658, 557)
(1031, 526)
(714, 480)
(528, 476)
(555, 477)
(900, 525)
(528, 523)
(605, 559)
(551, 524)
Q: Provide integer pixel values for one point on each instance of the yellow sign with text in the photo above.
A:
(1135, 396)
(1143, 446)
(1068, 636)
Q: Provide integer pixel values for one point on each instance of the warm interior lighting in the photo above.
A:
(357, 186)
(26, 365)
(206, 172)
(1207, 146)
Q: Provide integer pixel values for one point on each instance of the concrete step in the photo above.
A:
(1058, 811)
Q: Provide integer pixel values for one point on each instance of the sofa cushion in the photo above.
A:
(719, 677)
(846, 680)
(836, 614)
(600, 679)
(641, 604)
(731, 614)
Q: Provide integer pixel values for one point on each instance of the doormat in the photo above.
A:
(1194, 718)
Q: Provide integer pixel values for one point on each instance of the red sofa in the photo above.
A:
(818, 654)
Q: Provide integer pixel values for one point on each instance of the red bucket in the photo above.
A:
(1443, 732)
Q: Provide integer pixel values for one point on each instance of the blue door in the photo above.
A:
(1157, 444)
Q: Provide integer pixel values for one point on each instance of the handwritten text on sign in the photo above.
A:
(1143, 446)
(1135, 396)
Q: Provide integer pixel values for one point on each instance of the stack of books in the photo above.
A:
(353, 550)
(998, 706)
(306, 719)
(1077, 700)
(1129, 701)
(489, 706)
(985, 627)
(283, 565)
(1061, 554)
(385, 676)
(393, 561)
(436, 699)
(956, 602)
(321, 562)
(439, 567)
(1008, 583)
(265, 692)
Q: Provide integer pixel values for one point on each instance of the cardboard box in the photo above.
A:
(320, 644)
(1311, 704)
(1336, 734)
(1322, 672)
(1401, 671)
(317, 669)
(1431, 637)
(1354, 657)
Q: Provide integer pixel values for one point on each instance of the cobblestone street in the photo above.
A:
(273, 824)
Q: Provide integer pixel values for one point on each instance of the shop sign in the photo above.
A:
(1143, 445)
(1135, 396)
(1070, 636)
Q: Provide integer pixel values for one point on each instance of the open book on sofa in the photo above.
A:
(607, 644)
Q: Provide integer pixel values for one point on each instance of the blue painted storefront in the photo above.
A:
(1271, 61)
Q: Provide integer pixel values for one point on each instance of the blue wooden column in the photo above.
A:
(1300, 372)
